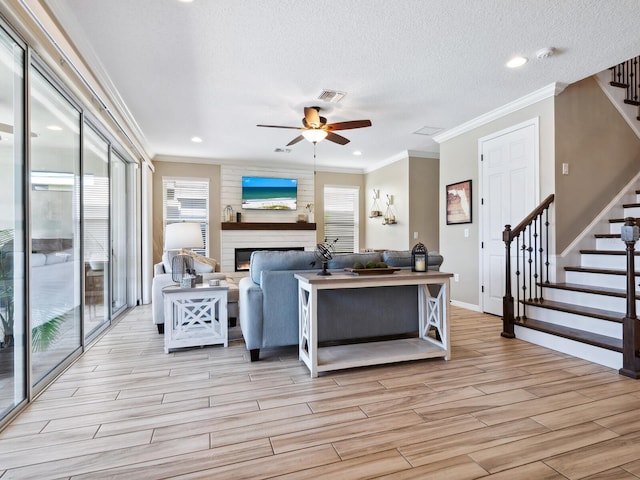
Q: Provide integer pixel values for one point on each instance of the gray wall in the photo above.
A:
(602, 151)
(459, 160)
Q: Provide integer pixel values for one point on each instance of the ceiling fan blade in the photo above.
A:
(312, 117)
(6, 128)
(295, 140)
(279, 126)
(349, 125)
(335, 138)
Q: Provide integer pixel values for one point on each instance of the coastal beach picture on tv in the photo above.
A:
(262, 193)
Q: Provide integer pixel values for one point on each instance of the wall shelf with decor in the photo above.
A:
(375, 207)
(389, 215)
(268, 226)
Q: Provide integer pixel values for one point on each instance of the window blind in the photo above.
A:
(187, 200)
(341, 217)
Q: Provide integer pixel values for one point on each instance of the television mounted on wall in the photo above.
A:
(266, 193)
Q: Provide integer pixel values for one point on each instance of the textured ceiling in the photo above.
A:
(216, 68)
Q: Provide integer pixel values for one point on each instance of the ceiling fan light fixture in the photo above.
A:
(314, 135)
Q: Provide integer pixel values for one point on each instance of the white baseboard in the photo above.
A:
(468, 306)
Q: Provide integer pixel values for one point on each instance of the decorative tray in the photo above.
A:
(372, 271)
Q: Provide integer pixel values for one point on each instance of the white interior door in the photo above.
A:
(509, 172)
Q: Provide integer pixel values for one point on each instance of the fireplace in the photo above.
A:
(243, 255)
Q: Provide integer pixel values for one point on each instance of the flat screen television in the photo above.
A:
(265, 193)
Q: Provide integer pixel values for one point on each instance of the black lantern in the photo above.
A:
(419, 258)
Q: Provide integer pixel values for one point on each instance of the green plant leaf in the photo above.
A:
(43, 336)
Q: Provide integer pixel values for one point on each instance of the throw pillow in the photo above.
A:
(200, 263)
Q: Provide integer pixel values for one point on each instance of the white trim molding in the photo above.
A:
(550, 90)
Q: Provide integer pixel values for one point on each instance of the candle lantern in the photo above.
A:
(419, 258)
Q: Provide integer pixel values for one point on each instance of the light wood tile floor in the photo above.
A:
(500, 409)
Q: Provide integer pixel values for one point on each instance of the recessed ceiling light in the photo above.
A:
(54, 128)
(516, 62)
(357, 153)
(195, 139)
(185, 1)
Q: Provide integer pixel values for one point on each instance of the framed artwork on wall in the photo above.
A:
(459, 203)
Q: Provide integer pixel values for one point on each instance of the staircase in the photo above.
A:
(583, 315)
(627, 76)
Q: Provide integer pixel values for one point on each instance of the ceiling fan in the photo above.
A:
(316, 128)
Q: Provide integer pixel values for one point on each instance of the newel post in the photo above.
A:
(630, 328)
(507, 301)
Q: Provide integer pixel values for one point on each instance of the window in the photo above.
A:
(187, 200)
(341, 217)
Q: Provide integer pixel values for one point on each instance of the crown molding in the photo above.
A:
(401, 156)
(550, 90)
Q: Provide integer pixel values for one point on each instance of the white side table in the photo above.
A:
(195, 316)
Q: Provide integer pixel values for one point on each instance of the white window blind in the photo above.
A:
(341, 217)
(187, 200)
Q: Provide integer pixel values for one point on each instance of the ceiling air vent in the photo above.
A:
(282, 150)
(331, 96)
(428, 131)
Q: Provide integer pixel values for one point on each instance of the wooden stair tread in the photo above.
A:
(606, 271)
(607, 252)
(607, 235)
(607, 315)
(577, 287)
(631, 102)
(619, 84)
(602, 341)
(630, 205)
(621, 220)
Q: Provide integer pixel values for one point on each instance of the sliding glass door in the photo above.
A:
(119, 250)
(68, 206)
(95, 231)
(55, 228)
(12, 234)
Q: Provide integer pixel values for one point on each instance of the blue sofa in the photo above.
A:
(268, 300)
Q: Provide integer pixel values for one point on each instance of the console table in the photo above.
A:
(433, 321)
(195, 316)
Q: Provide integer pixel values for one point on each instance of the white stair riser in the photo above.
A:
(587, 324)
(604, 302)
(590, 353)
(610, 244)
(632, 212)
(615, 227)
(597, 279)
(612, 262)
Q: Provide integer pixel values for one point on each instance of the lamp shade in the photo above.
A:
(183, 235)
(315, 135)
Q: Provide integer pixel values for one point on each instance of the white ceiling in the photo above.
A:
(216, 68)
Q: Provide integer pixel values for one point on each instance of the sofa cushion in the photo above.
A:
(201, 263)
(167, 258)
(347, 260)
(280, 260)
(38, 259)
(397, 258)
(53, 258)
(199, 266)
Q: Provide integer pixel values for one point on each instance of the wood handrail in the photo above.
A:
(527, 220)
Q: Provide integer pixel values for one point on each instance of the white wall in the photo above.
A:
(459, 161)
(393, 180)
(231, 194)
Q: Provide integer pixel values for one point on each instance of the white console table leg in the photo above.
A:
(308, 327)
